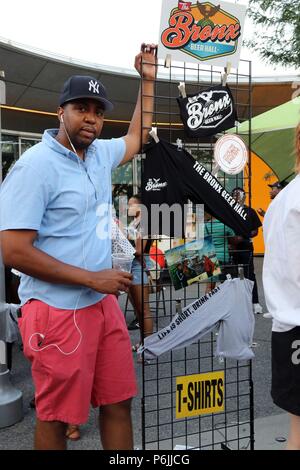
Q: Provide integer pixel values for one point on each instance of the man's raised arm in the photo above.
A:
(145, 64)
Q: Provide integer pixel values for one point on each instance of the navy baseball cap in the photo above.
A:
(83, 86)
(278, 184)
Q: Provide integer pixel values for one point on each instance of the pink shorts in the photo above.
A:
(101, 369)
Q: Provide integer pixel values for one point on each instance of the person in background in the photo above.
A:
(275, 190)
(281, 281)
(157, 256)
(243, 250)
(139, 290)
(73, 331)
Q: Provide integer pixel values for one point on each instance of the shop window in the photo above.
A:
(27, 143)
(10, 152)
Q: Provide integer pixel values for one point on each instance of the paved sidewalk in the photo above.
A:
(270, 431)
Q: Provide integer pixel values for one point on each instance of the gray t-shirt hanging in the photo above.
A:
(229, 306)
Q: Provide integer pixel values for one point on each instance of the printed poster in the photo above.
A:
(192, 262)
(199, 31)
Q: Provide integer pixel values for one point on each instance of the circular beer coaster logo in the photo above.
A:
(231, 154)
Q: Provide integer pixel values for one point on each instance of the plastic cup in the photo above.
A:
(122, 262)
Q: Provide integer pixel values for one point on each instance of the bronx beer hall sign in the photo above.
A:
(210, 32)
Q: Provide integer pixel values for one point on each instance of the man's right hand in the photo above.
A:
(110, 281)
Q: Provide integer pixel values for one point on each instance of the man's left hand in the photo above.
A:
(146, 61)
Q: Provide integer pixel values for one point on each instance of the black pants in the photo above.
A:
(245, 258)
(286, 370)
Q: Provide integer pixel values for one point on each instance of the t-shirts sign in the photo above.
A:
(200, 394)
(210, 32)
(208, 112)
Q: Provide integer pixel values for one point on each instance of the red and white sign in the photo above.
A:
(184, 6)
(231, 154)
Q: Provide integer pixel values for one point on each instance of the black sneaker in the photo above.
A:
(133, 325)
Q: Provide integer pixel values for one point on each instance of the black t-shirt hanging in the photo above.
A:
(208, 112)
(172, 177)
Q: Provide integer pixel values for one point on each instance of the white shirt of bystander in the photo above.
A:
(281, 270)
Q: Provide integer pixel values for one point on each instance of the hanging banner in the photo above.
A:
(210, 32)
(208, 112)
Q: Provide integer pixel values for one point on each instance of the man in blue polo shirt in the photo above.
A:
(54, 222)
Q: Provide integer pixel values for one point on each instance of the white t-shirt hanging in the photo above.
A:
(208, 112)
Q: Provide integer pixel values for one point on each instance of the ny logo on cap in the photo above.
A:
(94, 86)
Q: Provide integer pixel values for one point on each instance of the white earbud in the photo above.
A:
(62, 119)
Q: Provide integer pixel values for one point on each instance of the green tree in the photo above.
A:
(277, 37)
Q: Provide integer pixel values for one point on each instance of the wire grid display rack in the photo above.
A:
(234, 427)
